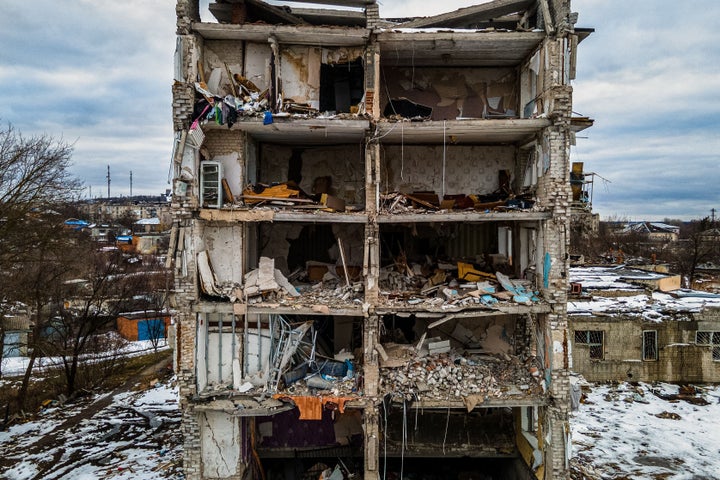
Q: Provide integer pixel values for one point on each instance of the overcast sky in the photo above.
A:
(98, 74)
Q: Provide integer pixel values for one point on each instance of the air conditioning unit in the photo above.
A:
(211, 185)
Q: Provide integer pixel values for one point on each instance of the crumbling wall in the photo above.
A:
(300, 73)
(227, 148)
(219, 57)
(454, 92)
(464, 169)
(344, 165)
(291, 245)
(220, 445)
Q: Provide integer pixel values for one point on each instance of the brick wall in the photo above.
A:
(679, 359)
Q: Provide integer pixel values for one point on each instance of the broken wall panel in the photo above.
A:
(222, 244)
(456, 169)
(220, 59)
(220, 451)
(335, 170)
(257, 64)
(300, 73)
(297, 247)
(454, 92)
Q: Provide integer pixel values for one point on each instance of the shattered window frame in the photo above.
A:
(594, 339)
(530, 419)
(650, 345)
(711, 338)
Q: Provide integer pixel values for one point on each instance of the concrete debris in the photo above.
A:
(428, 287)
(397, 203)
(269, 286)
(266, 279)
(471, 379)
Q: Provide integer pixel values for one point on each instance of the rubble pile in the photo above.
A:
(452, 376)
(423, 202)
(247, 100)
(289, 195)
(402, 284)
(268, 285)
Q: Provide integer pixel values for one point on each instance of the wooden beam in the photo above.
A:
(547, 18)
(484, 11)
(341, 3)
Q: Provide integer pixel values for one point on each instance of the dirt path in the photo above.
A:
(101, 403)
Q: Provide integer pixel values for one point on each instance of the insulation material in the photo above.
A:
(208, 282)
(345, 167)
(468, 169)
(455, 92)
(300, 67)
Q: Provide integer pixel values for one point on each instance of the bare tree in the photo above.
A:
(157, 284)
(34, 176)
(694, 248)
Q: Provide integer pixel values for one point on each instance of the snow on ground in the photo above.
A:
(136, 437)
(625, 431)
(12, 366)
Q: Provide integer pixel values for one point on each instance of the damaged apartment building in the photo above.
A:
(369, 239)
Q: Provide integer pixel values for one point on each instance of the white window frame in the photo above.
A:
(653, 356)
(711, 338)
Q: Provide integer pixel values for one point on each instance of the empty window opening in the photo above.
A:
(530, 419)
(649, 346)
(712, 338)
(594, 340)
(341, 86)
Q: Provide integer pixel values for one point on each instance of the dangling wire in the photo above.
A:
(404, 439)
(402, 152)
(385, 434)
(444, 151)
(447, 423)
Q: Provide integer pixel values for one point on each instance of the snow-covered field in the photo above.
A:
(135, 437)
(642, 431)
(12, 366)
(621, 431)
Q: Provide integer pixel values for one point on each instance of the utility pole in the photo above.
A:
(130, 183)
(712, 215)
(108, 179)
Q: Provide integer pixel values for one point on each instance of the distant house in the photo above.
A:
(143, 325)
(624, 327)
(148, 225)
(654, 231)
(104, 233)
